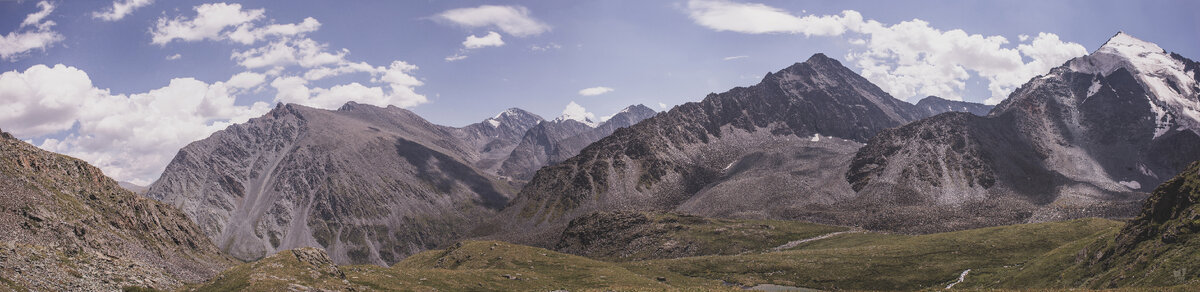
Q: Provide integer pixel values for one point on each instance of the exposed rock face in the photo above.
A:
(1082, 140)
(369, 184)
(665, 161)
(554, 141)
(934, 105)
(67, 227)
(495, 137)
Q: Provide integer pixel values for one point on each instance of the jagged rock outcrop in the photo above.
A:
(933, 105)
(1082, 140)
(553, 141)
(664, 162)
(67, 227)
(369, 184)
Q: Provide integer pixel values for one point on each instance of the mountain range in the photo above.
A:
(901, 196)
(369, 184)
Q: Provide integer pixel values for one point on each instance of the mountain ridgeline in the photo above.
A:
(1086, 139)
(1079, 141)
(368, 184)
(756, 151)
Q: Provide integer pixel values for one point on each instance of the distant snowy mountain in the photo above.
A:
(934, 105)
(1086, 139)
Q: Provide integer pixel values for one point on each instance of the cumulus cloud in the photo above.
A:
(598, 90)
(174, 57)
(492, 39)
(210, 22)
(513, 20)
(34, 33)
(222, 21)
(132, 137)
(662, 105)
(248, 34)
(755, 18)
(397, 79)
(120, 9)
(909, 59)
(577, 112)
(731, 58)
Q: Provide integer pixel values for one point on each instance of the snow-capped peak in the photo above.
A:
(577, 118)
(1126, 51)
(1173, 90)
(508, 112)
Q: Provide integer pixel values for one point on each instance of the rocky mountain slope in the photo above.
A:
(369, 184)
(553, 141)
(1082, 140)
(674, 158)
(496, 137)
(933, 105)
(67, 227)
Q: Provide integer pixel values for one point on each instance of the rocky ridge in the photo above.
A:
(69, 227)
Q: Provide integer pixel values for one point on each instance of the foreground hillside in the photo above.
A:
(1158, 248)
(64, 226)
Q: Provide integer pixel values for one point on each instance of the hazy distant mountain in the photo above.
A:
(1085, 139)
(495, 137)
(754, 151)
(369, 184)
(554, 141)
(132, 187)
(934, 105)
(67, 227)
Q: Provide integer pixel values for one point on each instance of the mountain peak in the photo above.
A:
(513, 114)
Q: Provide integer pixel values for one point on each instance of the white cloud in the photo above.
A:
(513, 20)
(455, 57)
(174, 57)
(302, 52)
(492, 39)
(120, 9)
(598, 90)
(1023, 37)
(735, 57)
(16, 43)
(662, 105)
(721, 15)
(396, 77)
(132, 137)
(246, 80)
(248, 34)
(909, 59)
(210, 21)
(574, 111)
(547, 47)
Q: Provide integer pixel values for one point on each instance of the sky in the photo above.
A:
(124, 84)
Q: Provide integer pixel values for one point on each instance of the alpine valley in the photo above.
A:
(1085, 177)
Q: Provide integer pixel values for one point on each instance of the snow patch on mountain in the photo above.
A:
(1174, 91)
(1131, 184)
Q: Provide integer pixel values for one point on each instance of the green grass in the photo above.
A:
(887, 262)
(1007, 257)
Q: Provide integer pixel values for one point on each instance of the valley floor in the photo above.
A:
(839, 259)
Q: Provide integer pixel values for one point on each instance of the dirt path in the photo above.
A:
(795, 243)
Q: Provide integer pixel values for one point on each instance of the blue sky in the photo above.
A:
(647, 52)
